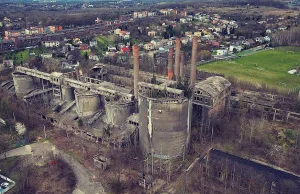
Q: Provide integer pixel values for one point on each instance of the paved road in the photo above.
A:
(43, 150)
(25, 150)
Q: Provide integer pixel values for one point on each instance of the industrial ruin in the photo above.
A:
(122, 107)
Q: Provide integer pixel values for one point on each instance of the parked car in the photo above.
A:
(4, 185)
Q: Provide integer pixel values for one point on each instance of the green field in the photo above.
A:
(24, 55)
(268, 67)
(103, 40)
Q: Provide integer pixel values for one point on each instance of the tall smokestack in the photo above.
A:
(170, 63)
(177, 58)
(181, 74)
(194, 61)
(136, 69)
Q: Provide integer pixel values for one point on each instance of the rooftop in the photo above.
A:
(213, 85)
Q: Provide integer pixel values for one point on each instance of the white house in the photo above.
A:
(112, 49)
(94, 57)
(93, 43)
(149, 46)
(182, 20)
(234, 47)
(51, 44)
(222, 52)
(46, 55)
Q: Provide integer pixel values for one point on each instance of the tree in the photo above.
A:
(86, 56)
(205, 55)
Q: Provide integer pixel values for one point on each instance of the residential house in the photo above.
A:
(199, 34)
(148, 47)
(152, 33)
(7, 45)
(222, 52)
(235, 48)
(183, 20)
(282, 28)
(112, 49)
(93, 43)
(124, 34)
(215, 43)
(267, 39)
(185, 40)
(94, 57)
(46, 55)
(83, 47)
(51, 44)
(260, 39)
(125, 49)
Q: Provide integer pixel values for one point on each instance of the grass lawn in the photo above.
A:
(103, 40)
(269, 67)
(24, 55)
(82, 52)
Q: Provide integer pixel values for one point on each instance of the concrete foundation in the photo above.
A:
(87, 103)
(23, 83)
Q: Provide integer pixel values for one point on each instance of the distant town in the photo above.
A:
(150, 97)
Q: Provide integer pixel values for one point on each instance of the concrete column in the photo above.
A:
(170, 63)
(136, 69)
(194, 61)
(177, 58)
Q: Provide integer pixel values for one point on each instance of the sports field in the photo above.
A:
(270, 67)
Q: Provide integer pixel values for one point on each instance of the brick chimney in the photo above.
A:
(136, 69)
(170, 64)
(194, 61)
(177, 58)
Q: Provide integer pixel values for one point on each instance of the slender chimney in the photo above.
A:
(170, 63)
(177, 58)
(135, 69)
(194, 61)
(181, 74)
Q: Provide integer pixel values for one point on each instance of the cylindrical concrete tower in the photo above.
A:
(118, 111)
(23, 83)
(67, 93)
(87, 103)
(164, 126)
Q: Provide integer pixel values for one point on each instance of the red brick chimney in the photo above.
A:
(177, 58)
(135, 69)
(194, 61)
(170, 64)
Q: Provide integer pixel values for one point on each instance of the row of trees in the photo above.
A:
(287, 38)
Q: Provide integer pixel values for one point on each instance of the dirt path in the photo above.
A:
(43, 150)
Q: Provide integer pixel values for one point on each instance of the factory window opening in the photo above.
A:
(206, 100)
